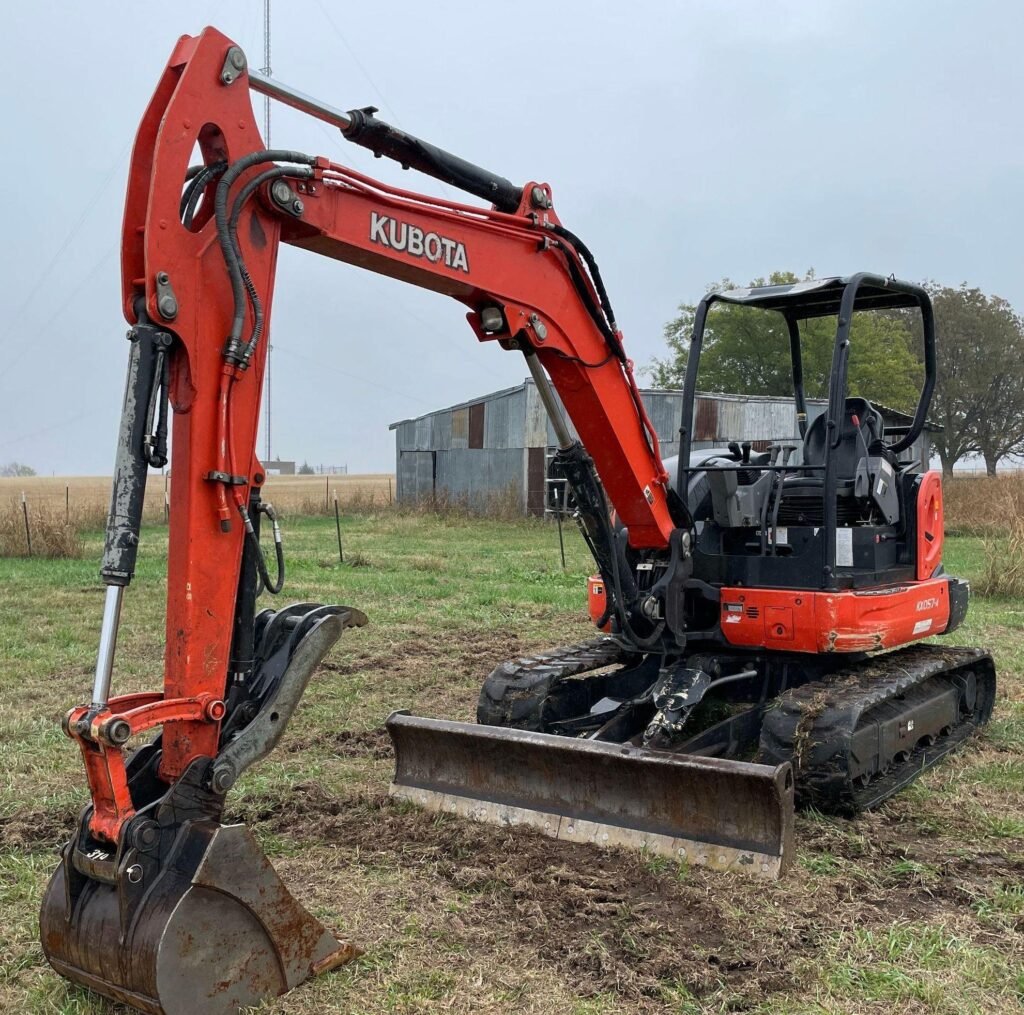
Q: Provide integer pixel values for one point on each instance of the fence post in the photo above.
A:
(327, 491)
(67, 505)
(28, 531)
(337, 523)
(389, 489)
(167, 502)
(558, 515)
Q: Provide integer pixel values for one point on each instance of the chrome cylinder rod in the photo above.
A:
(108, 642)
(298, 100)
(547, 396)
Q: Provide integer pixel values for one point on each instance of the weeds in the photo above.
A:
(49, 532)
(983, 506)
(1004, 563)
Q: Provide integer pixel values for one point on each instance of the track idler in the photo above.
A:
(185, 915)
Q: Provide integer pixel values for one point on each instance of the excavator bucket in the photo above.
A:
(185, 915)
(217, 932)
(725, 814)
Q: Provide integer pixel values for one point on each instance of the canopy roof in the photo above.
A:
(821, 297)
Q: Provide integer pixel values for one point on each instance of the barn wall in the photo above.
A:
(481, 449)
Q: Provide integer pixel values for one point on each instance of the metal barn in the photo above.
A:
(499, 445)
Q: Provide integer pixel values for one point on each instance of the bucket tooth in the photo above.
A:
(725, 814)
(216, 931)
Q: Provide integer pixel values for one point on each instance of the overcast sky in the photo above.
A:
(684, 141)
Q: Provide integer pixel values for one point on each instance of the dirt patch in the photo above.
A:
(606, 920)
(443, 656)
(375, 744)
(31, 830)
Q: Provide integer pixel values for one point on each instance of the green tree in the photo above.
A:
(746, 351)
(305, 469)
(16, 469)
(979, 397)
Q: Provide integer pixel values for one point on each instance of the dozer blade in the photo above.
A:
(729, 815)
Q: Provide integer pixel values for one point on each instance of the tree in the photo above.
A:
(979, 398)
(746, 351)
(16, 469)
(305, 469)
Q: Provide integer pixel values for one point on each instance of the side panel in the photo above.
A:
(854, 621)
(930, 525)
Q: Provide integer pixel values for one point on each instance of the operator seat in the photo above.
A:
(860, 428)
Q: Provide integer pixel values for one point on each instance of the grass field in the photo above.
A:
(918, 907)
(89, 496)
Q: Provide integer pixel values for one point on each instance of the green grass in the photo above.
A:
(915, 908)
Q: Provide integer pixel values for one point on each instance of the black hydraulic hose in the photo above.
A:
(233, 351)
(194, 191)
(242, 197)
(603, 316)
(190, 179)
(596, 314)
(595, 273)
(273, 587)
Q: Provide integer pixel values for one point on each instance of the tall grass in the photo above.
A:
(991, 508)
(51, 532)
(983, 506)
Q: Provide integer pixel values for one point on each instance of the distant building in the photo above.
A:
(500, 444)
(279, 467)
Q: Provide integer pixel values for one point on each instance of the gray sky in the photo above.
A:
(684, 141)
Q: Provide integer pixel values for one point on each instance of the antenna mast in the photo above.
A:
(266, 140)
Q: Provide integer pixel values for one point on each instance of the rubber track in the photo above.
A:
(514, 692)
(812, 725)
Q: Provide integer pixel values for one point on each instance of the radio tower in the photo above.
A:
(266, 141)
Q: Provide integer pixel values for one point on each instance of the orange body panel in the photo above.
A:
(597, 601)
(930, 532)
(862, 620)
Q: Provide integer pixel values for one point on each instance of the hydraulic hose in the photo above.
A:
(236, 210)
(234, 349)
(194, 191)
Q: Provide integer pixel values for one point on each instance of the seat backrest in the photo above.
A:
(860, 427)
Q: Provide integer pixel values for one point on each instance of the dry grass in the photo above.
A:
(992, 508)
(78, 504)
(1004, 563)
(87, 497)
(50, 533)
(981, 506)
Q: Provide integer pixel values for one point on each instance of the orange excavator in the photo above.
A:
(742, 596)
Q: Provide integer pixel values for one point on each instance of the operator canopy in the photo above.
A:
(821, 297)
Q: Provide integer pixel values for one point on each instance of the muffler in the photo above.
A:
(720, 813)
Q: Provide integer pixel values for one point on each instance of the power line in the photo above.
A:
(321, 365)
(355, 59)
(44, 275)
(86, 414)
(366, 74)
(99, 264)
